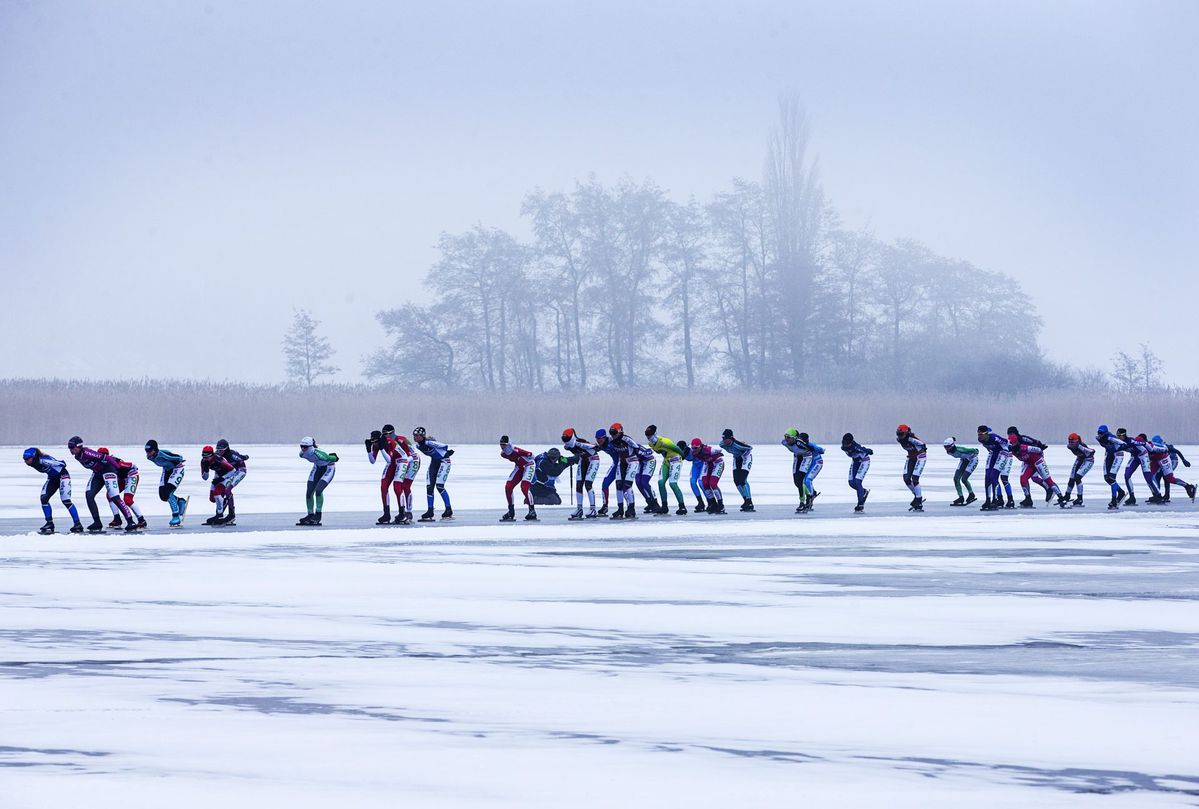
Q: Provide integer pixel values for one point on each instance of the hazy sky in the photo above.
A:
(177, 176)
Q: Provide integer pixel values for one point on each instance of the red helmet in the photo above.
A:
(1074, 438)
(102, 450)
(617, 426)
(568, 433)
(207, 450)
(696, 443)
(903, 428)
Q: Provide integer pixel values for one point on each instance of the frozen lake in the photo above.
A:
(1045, 659)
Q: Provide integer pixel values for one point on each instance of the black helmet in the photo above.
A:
(74, 442)
(803, 437)
(376, 435)
(651, 430)
(503, 439)
(388, 429)
(983, 429)
(151, 448)
(554, 453)
(728, 433)
(418, 432)
(847, 439)
(222, 444)
(1013, 430)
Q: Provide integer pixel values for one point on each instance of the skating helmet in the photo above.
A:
(554, 453)
(803, 437)
(696, 443)
(616, 429)
(207, 451)
(222, 444)
(950, 442)
(903, 429)
(418, 433)
(601, 433)
(389, 429)
(29, 454)
(728, 433)
(376, 435)
(102, 450)
(1103, 429)
(1157, 439)
(74, 443)
(568, 434)
(1074, 438)
(1121, 431)
(983, 429)
(847, 439)
(151, 448)
(1013, 430)
(1142, 437)
(307, 441)
(791, 435)
(651, 430)
(503, 440)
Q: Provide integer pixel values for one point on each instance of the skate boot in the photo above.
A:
(131, 527)
(1078, 502)
(532, 515)
(618, 514)
(1155, 500)
(1191, 491)
(182, 507)
(917, 504)
(1113, 504)
(1120, 495)
(316, 518)
(1063, 501)
(970, 498)
(1049, 495)
(175, 522)
(115, 522)
(427, 516)
(748, 505)
(215, 519)
(228, 520)
(1010, 504)
(48, 528)
(593, 514)
(96, 527)
(448, 514)
(141, 523)
(812, 500)
(77, 528)
(859, 508)
(961, 501)
(603, 511)
(700, 507)
(386, 518)
(578, 515)
(1131, 501)
(509, 515)
(681, 510)
(305, 520)
(631, 512)
(1027, 502)
(989, 505)
(719, 507)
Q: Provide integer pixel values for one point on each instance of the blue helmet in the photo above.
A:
(32, 452)
(1103, 429)
(601, 433)
(1157, 439)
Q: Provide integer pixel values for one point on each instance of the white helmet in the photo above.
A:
(950, 442)
(307, 441)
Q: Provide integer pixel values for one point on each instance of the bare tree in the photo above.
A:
(421, 354)
(1137, 373)
(795, 200)
(306, 353)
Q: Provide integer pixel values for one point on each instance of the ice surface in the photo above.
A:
(1047, 659)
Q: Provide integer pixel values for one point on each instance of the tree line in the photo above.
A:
(758, 288)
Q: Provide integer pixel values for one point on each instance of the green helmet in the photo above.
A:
(792, 433)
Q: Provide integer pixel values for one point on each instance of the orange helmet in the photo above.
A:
(903, 428)
(1074, 438)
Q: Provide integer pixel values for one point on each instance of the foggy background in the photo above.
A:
(180, 176)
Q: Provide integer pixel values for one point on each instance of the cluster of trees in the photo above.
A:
(758, 288)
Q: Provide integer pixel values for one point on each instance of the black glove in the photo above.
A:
(449, 452)
(369, 443)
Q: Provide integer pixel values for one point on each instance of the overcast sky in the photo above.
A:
(178, 176)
